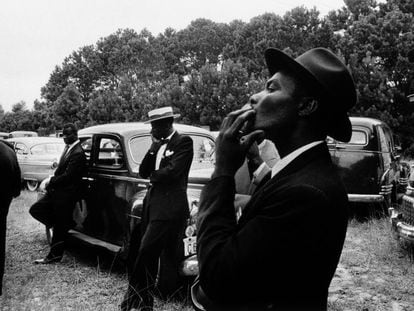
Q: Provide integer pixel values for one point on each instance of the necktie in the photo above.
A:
(160, 153)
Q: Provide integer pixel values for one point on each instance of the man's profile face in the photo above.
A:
(275, 106)
(161, 128)
(69, 136)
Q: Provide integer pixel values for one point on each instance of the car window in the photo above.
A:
(203, 150)
(38, 149)
(358, 138)
(49, 148)
(110, 153)
(55, 148)
(20, 148)
(139, 147)
(86, 144)
(385, 138)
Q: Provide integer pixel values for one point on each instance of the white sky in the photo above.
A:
(36, 35)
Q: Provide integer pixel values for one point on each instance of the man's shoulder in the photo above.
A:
(78, 151)
(182, 137)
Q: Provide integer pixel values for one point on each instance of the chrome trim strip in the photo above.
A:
(405, 231)
(123, 178)
(366, 198)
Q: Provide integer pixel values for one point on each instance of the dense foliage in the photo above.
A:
(208, 69)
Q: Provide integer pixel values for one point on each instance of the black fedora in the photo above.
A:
(328, 76)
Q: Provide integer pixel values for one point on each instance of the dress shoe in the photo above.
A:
(48, 260)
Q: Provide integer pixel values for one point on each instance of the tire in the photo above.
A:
(32, 185)
(49, 235)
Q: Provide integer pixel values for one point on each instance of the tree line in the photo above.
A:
(209, 69)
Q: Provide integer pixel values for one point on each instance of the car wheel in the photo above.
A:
(49, 235)
(32, 185)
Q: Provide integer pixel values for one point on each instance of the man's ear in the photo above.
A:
(307, 106)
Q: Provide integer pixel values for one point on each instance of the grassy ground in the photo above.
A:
(375, 273)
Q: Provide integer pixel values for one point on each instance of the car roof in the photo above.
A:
(36, 140)
(366, 122)
(133, 128)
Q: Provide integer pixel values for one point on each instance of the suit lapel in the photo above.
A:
(297, 164)
(170, 147)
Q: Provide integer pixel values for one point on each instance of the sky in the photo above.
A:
(37, 35)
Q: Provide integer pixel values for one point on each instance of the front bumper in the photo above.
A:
(189, 266)
(366, 198)
(403, 230)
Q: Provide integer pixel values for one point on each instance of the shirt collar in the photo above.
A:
(171, 135)
(72, 144)
(283, 162)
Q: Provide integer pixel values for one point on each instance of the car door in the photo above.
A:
(358, 162)
(22, 153)
(107, 189)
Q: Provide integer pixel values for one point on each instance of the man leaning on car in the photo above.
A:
(56, 207)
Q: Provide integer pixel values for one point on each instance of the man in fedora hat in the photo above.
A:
(283, 251)
(165, 211)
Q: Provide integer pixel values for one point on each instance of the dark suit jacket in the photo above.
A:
(284, 251)
(68, 175)
(10, 184)
(167, 195)
(10, 180)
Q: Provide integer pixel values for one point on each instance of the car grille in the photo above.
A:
(407, 210)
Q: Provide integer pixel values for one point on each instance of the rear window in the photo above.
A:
(358, 137)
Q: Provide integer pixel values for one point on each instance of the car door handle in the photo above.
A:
(340, 147)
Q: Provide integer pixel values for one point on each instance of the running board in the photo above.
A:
(93, 241)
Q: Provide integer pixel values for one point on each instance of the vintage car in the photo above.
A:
(368, 164)
(111, 203)
(38, 158)
(402, 215)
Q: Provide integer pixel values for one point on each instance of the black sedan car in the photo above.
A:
(113, 192)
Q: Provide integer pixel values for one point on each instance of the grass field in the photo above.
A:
(374, 273)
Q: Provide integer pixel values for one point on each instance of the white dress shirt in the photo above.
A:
(161, 151)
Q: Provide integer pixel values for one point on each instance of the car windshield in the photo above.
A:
(203, 151)
(48, 148)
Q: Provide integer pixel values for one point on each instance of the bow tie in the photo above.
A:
(164, 141)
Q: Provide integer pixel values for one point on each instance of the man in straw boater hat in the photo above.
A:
(283, 251)
(165, 211)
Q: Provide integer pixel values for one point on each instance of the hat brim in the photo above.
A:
(276, 60)
(175, 116)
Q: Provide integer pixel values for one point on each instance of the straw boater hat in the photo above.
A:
(325, 73)
(161, 113)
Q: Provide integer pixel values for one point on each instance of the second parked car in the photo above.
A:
(38, 157)
(369, 164)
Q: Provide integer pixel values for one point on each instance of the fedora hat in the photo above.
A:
(161, 113)
(325, 74)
